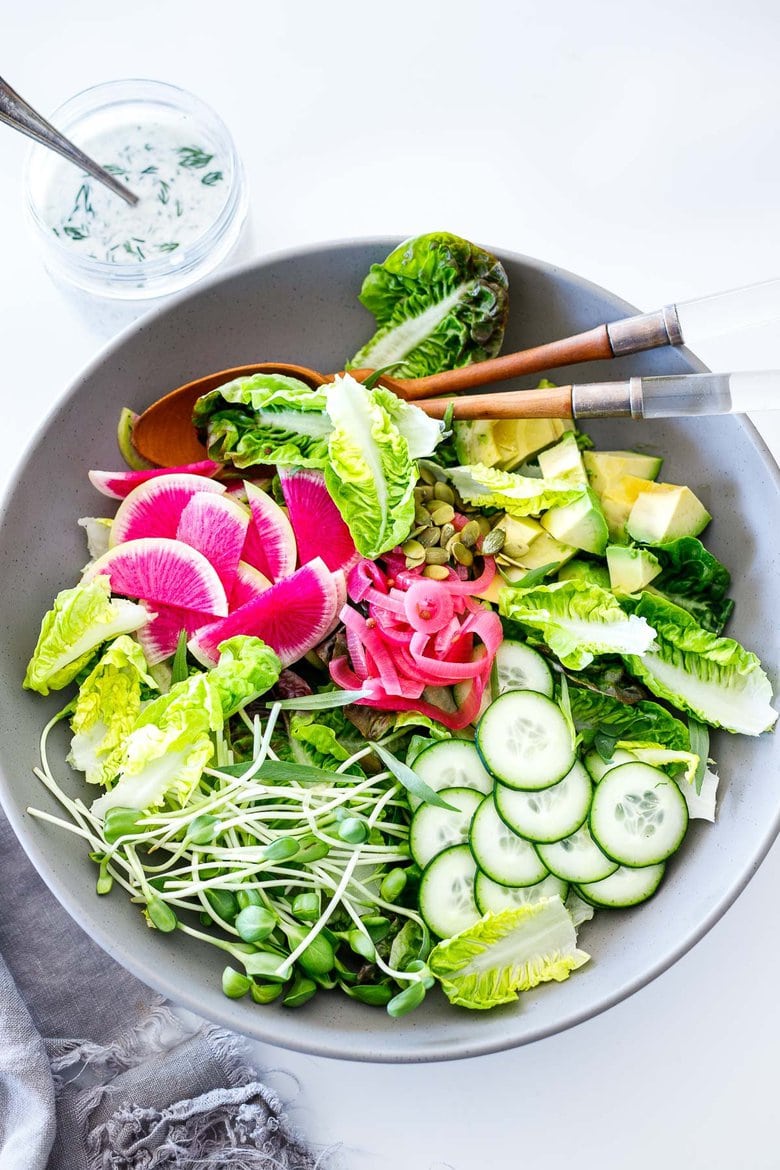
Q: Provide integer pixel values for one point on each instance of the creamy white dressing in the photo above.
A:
(179, 178)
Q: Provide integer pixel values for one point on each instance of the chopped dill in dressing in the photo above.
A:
(180, 184)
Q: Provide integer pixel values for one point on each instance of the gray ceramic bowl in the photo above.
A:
(302, 307)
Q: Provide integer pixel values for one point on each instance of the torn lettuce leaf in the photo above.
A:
(694, 579)
(264, 418)
(578, 620)
(439, 301)
(701, 802)
(107, 706)
(645, 721)
(246, 669)
(518, 495)
(80, 620)
(506, 953)
(714, 678)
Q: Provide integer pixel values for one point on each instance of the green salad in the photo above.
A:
(385, 705)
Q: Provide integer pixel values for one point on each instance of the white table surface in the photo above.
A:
(639, 146)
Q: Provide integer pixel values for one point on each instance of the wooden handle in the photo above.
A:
(583, 347)
(554, 402)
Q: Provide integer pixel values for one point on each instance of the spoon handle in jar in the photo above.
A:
(16, 112)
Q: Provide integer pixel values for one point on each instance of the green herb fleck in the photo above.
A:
(179, 208)
(171, 247)
(193, 156)
(113, 169)
(164, 193)
(149, 171)
(82, 201)
(75, 233)
(211, 178)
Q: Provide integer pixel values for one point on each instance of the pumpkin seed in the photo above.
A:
(493, 542)
(463, 555)
(421, 514)
(442, 514)
(436, 556)
(426, 474)
(429, 537)
(470, 534)
(443, 491)
(437, 572)
(484, 524)
(447, 532)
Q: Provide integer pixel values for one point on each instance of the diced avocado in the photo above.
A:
(630, 569)
(606, 468)
(475, 443)
(657, 517)
(582, 570)
(519, 532)
(580, 523)
(563, 461)
(545, 550)
(520, 438)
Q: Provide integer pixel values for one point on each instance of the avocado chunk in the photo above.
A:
(519, 532)
(545, 550)
(630, 569)
(580, 523)
(579, 569)
(657, 517)
(520, 438)
(563, 461)
(606, 468)
(475, 443)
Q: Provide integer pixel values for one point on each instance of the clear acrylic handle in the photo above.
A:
(728, 312)
(692, 394)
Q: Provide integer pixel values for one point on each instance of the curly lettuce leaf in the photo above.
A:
(439, 302)
(80, 620)
(264, 418)
(714, 678)
(506, 953)
(646, 721)
(168, 747)
(246, 669)
(107, 706)
(694, 579)
(577, 620)
(369, 474)
(518, 495)
(421, 433)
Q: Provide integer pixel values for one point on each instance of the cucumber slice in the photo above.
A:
(451, 763)
(500, 853)
(525, 741)
(577, 858)
(519, 668)
(434, 829)
(492, 898)
(597, 766)
(550, 814)
(638, 816)
(447, 892)
(624, 887)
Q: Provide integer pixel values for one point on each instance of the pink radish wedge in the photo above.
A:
(291, 617)
(155, 506)
(248, 584)
(270, 541)
(118, 484)
(162, 571)
(316, 521)
(160, 636)
(216, 526)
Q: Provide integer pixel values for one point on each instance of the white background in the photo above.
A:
(635, 144)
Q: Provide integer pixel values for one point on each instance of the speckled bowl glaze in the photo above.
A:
(302, 306)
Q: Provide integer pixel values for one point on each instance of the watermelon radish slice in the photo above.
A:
(270, 541)
(248, 584)
(155, 506)
(118, 484)
(164, 572)
(216, 526)
(316, 521)
(161, 634)
(291, 617)
(340, 581)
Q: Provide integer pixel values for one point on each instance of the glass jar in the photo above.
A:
(177, 155)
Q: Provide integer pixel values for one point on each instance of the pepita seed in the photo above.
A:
(484, 525)
(426, 474)
(443, 491)
(414, 562)
(493, 542)
(442, 514)
(463, 555)
(469, 534)
(429, 536)
(436, 556)
(413, 549)
(421, 514)
(423, 492)
(447, 532)
(437, 572)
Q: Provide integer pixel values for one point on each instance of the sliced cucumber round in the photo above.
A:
(451, 763)
(519, 668)
(492, 898)
(525, 741)
(447, 892)
(434, 829)
(577, 858)
(500, 853)
(638, 815)
(624, 887)
(551, 813)
(598, 766)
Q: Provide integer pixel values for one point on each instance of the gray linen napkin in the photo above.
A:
(97, 1072)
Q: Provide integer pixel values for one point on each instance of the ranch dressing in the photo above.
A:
(178, 177)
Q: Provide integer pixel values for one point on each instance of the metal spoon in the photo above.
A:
(16, 112)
